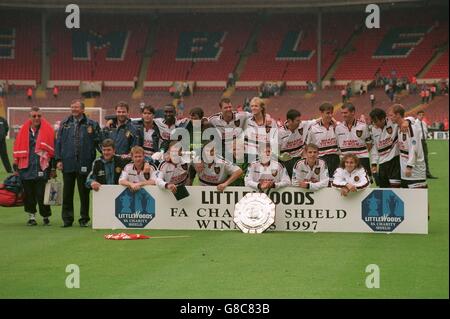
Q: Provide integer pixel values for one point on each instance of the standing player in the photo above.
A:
(292, 137)
(384, 154)
(311, 172)
(259, 130)
(229, 124)
(353, 137)
(423, 129)
(165, 126)
(323, 135)
(412, 160)
(147, 131)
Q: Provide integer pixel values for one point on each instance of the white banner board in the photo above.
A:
(439, 135)
(367, 211)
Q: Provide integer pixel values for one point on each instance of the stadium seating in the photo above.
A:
(437, 110)
(374, 51)
(20, 46)
(207, 50)
(439, 70)
(278, 57)
(110, 48)
(114, 52)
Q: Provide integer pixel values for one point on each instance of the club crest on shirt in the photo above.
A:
(356, 178)
(317, 170)
(359, 133)
(217, 170)
(389, 130)
(268, 129)
(90, 130)
(128, 134)
(274, 172)
(300, 131)
(118, 170)
(237, 122)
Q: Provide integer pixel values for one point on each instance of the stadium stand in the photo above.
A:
(286, 48)
(111, 49)
(207, 50)
(105, 48)
(20, 46)
(403, 45)
(439, 70)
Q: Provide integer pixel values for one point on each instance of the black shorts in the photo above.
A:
(332, 161)
(389, 173)
(365, 162)
(290, 165)
(417, 183)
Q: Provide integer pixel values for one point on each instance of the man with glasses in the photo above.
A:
(33, 154)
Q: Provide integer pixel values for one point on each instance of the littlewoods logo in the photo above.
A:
(135, 215)
(383, 219)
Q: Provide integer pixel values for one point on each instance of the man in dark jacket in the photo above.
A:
(106, 169)
(77, 142)
(4, 128)
(121, 130)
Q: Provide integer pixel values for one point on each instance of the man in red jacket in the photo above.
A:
(33, 153)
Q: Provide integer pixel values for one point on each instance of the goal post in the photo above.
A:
(16, 116)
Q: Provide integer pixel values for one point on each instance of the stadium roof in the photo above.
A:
(191, 5)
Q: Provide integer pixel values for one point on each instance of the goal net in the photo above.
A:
(54, 115)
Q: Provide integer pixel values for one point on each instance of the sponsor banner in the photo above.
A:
(368, 211)
(439, 135)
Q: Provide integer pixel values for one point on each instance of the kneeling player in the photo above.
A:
(173, 171)
(106, 170)
(311, 172)
(266, 173)
(350, 176)
(133, 175)
(216, 171)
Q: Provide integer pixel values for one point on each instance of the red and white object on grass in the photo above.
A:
(125, 236)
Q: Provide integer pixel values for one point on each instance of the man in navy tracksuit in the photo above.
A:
(77, 141)
(121, 130)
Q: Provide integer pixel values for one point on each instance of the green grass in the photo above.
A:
(229, 264)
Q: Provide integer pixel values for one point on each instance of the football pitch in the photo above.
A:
(227, 264)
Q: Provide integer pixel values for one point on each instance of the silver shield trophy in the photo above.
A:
(254, 213)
